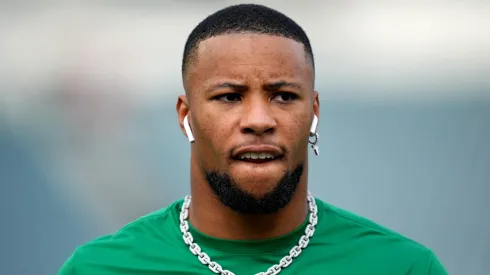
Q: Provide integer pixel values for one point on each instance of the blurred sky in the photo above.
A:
(382, 44)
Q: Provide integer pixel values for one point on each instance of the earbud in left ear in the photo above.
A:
(314, 126)
(314, 134)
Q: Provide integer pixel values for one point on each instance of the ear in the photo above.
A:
(183, 112)
(316, 107)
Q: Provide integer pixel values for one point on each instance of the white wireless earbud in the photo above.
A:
(314, 135)
(314, 125)
(188, 130)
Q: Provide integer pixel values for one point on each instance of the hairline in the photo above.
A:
(192, 53)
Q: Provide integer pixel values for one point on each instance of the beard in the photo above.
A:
(241, 201)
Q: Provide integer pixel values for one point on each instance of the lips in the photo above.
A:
(258, 153)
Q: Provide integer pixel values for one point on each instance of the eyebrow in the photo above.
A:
(234, 86)
(268, 86)
(281, 84)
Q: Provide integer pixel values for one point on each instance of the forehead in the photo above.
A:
(247, 57)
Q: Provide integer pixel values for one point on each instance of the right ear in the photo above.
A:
(183, 112)
(188, 131)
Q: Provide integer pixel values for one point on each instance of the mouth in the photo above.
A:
(258, 154)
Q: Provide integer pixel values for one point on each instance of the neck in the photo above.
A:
(211, 217)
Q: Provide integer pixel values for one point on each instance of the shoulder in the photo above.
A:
(124, 245)
(348, 226)
(370, 240)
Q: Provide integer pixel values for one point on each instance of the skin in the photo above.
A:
(244, 89)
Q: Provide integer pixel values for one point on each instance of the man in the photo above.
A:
(250, 111)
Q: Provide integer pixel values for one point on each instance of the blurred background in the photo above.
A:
(89, 138)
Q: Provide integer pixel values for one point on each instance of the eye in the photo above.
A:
(284, 97)
(229, 97)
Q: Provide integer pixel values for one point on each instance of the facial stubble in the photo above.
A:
(241, 201)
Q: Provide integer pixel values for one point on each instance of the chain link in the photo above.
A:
(273, 270)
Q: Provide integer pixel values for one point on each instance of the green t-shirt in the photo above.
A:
(343, 243)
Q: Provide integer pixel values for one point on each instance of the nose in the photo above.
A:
(257, 118)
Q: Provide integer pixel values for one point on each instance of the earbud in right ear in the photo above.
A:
(188, 131)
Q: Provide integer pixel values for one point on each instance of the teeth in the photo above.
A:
(256, 156)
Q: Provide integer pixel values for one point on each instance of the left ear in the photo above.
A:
(316, 104)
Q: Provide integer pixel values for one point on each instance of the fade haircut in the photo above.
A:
(245, 18)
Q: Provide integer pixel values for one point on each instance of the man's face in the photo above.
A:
(250, 102)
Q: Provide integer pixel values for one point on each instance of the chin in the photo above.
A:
(257, 189)
(251, 188)
(257, 183)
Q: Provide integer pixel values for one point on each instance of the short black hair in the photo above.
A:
(245, 18)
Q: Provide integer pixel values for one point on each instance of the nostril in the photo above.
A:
(270, 130)
(248, 131)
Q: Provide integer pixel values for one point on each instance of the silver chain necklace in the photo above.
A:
(275, 269)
